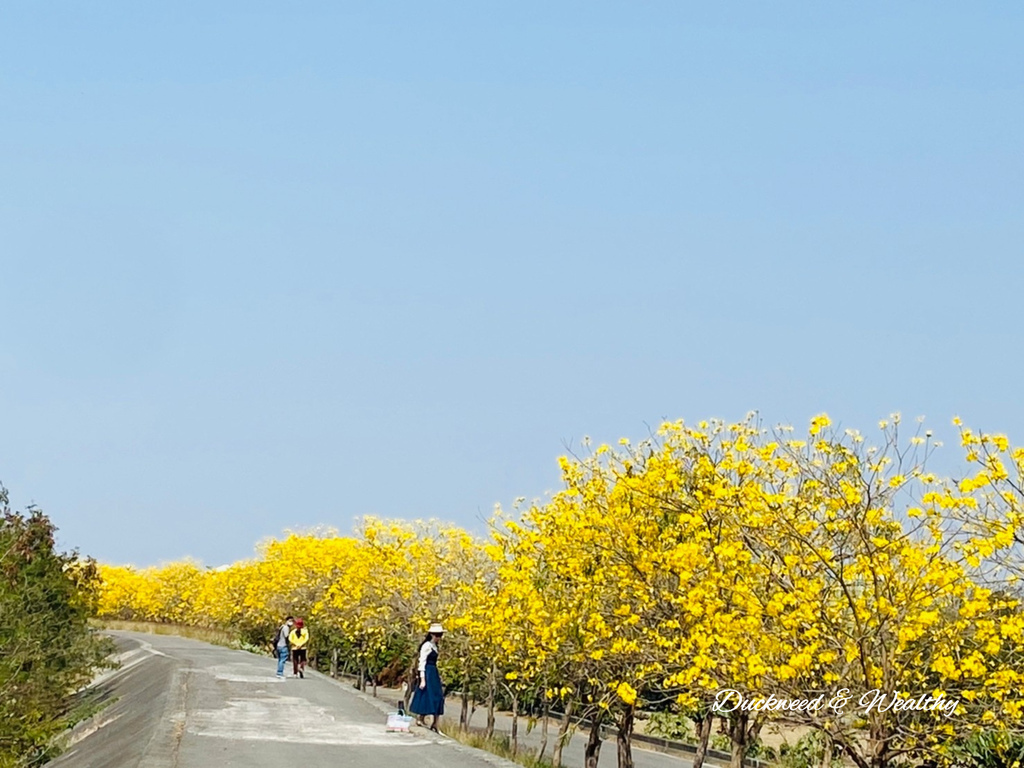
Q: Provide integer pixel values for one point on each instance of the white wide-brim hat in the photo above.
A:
(436, 629)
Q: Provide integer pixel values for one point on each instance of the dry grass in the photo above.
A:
(214, 636)
(499, 745)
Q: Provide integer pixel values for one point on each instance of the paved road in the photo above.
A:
(179, 703)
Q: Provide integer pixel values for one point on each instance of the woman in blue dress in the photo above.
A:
(428, 698)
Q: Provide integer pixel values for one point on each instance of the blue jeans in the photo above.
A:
(282, 658)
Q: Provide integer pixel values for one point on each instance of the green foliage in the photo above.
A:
(670, 725)
(991, 749)
(757, 750)
(808, 752)
(49, 651)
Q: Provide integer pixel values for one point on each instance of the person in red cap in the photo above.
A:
(298, 639)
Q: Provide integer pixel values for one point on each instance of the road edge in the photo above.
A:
(447, 741)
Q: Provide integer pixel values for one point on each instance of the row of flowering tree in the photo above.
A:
(707, 558)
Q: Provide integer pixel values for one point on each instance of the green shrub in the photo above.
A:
(49, 650)
(808, 752)
(990, 749)
(721, 742)
(670, 725)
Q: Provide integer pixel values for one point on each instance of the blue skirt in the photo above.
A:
(429, 700)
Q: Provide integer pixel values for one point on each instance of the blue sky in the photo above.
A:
(268, 267)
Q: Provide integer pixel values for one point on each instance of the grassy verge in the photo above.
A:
(207, 635)
(499, 744)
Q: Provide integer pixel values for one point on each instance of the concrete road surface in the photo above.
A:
(179, 703)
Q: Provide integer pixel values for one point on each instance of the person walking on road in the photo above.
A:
(429, 696)
(281, 645)
(298, 639)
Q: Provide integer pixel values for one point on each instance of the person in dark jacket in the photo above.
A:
(281, 645)
(428, 698)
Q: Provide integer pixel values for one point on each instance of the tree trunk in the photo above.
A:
(362, 676)
(563, 735)
(464, 714)
(490, 702)
(879, 744)
(334, 663)
(544, 730)
(743, 732)
(592, 752)
(624, 739)
(375, 686)
(412, 676)
(704, 726)
(738, 737)
(515, 724)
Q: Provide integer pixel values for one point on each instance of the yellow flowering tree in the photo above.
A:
(989, 500)
(710, 556)
(896, 610)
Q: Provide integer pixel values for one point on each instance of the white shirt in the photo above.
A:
(425, 650)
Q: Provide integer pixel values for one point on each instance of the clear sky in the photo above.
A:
(269, 265)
